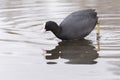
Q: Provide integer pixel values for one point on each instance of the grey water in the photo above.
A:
(28, 53)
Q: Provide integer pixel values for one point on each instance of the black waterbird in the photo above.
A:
(77, 25)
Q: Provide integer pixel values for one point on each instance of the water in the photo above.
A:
(26, 53)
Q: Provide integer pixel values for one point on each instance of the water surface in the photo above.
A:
(26, 53)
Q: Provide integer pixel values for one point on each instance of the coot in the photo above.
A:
(77, 25)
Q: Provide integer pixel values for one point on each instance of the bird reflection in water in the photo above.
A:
(76, 52)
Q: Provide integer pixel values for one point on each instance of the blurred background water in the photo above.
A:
(26, 53)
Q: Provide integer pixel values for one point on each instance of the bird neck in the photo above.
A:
(57, 31)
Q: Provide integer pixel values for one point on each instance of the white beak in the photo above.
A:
(43, 28)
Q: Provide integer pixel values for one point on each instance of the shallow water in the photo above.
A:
(27, 53)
